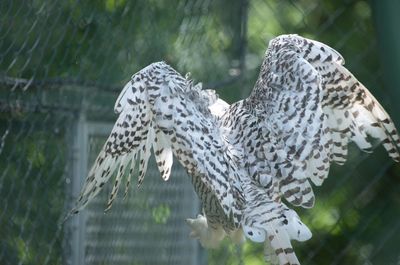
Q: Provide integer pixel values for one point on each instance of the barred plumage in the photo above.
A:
(245, 157)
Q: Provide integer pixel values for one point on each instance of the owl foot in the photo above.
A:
(208, 236)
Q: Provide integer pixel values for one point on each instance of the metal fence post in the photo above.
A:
(387, 21)
(78, 166)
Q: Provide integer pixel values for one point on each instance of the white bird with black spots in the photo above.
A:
(246, 159)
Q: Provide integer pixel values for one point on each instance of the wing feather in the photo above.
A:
(117, 182)
(145, 152)
(160, 109)
(163, 154)
(356, 110)
(131, 173)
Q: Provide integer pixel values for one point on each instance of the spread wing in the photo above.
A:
(313, 107)
(160, 110)
(309, 107)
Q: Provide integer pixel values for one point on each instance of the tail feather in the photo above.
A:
(269, 254)
(280, 242)
(280, 234)
(276, 225)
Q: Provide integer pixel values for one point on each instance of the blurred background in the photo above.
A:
(62, 65)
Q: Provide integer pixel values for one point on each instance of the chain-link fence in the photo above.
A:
(62, 64)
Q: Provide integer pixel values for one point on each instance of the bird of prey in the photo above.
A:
(248, 161)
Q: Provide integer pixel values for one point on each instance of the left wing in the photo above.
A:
(160, 109)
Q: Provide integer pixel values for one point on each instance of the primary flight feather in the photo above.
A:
(244, 158)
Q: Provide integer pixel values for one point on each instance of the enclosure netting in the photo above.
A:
(62, 65)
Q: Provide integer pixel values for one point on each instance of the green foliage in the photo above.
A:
(106, 41)
(161, 214)
(32, 161)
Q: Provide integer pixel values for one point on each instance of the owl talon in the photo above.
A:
(207, 236)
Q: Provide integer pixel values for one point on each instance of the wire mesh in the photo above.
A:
(61, 60)
(154, 212)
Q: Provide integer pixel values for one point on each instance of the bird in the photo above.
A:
(250, 162)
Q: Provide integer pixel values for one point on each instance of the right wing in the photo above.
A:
(307, 106)
(160, 109)
(312, 107)
(353, 112)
